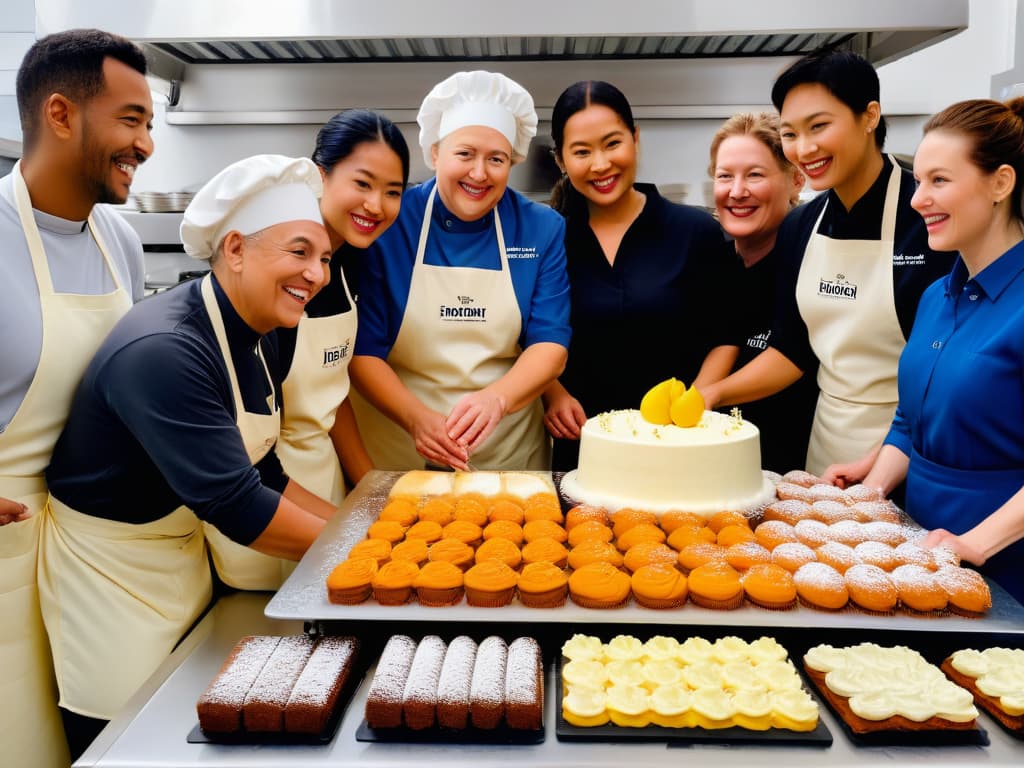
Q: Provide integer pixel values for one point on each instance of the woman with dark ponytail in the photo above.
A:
(639, 269)
(958, 433)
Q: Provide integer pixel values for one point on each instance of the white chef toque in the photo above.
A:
(250, 195)
(478, 98)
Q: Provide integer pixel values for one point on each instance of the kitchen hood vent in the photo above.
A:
(338, 50)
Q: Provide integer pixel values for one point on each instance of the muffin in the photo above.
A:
(813, 533)
(392, 584)
(545, 551)
(589, 530)
(833, 511)
(379, 549)
(771, 533)
(877, 511)
(544, 529)
(746, 554)
(427, 530)
(673, 519)
(848, 532)
(637, 533)
(840, 556)
(544, 512)
(438, 510)
(695, 555)
(919, 589)
(584, 513)
(877, 553)
(452, 551)
(349, 582)
(801, 477)
(821, 586)
(386, 530)
(624, 519)
(914, 554)
(792, 554)
(785, 491)
(685, 535)
(658, 586)
(504, 529)
(770, 586)
(594, 551)
(413, 551)
(716, 585)
(471, 511)
(401, 511)
(542, 585)
(720, 520)
(499, 549)
(734, 534)
(649, 553)
(827, 492)
(967, 591)
(438, 584)
(788, 511)
(503, 509)
(599, 585)
(871, 588)
(490, 584)
(464, 531)
(856, 493)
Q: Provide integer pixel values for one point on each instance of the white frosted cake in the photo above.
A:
(626, 461)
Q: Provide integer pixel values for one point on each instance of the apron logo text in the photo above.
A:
(908, 259)
(334, 355)
(760, 341)
(521, 251)
(840, 287)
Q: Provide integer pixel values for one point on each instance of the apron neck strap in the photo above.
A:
(428, 210)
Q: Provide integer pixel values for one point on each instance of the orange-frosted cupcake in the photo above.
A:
(544, 529)
(503, 509)
(451, 551)
(770, 586)
(490, 584)
(792, 554)
(685, 535)
(735, 534)
(594, 551)
(471, 511)
(695, 555)
(747, 554)
(544, 512)
(392, 584)
(788, 511)
(673, 519)
(626, 518)
(659, 586)
(542, 499)
(871, 588)
(649, 553)
(543, 585)
(591, 530)
(379, 549)
(716, 585)
(771, 533)
(349, 582)
(821, 586)
(438, 511)
(719, 520)
(547, 551)
(499, 549)
(438, 583)
(401, 511)
(584, 513)
(386, 530)
(464, 531)
(638, 533)
(599, 585)
(413, 551)
(427, 530)
(504, 529)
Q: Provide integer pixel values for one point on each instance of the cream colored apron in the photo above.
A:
(846, 298)
(317, 383)
(237, 565)
(460, 333)
(73, 326)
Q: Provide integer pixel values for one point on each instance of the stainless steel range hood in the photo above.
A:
(222, 59)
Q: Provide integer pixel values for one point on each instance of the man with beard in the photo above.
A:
(70, 269)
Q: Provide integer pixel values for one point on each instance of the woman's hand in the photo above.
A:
(845, 475)
(430, 434)
(12, 512)
(564, 416)
(474, 418)
(940, 537)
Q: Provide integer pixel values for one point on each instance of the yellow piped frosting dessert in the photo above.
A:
(696, 683)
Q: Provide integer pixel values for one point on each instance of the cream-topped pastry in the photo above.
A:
(583, 647)
(730, 648)
(714, 704)
(661, 648)
(794, 709)
(998, 672)
(625, 673)
(587, 673)
(628, 705)
(585, 707)
(624, 648)
(766, 649)
(694, 649)
(661, 673)
(627, 461)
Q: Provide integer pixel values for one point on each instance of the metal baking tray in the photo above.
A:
(304, 595)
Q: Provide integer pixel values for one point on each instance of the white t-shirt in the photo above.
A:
(76, 266)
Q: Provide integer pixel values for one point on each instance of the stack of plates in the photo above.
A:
(162, 202)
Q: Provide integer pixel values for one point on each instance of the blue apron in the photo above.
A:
(958, 499)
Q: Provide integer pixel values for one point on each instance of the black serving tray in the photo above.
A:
(437, 735)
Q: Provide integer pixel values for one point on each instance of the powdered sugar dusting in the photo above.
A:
(457, 672)
(329, 659)
(392, 670)
(425, 672)
(488, 684)
(522, 673)
(240, 671)
(277, 678)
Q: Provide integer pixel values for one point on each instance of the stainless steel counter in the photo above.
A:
(151, 731)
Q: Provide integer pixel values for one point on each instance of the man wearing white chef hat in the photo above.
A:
(464, 303)
(176, 414)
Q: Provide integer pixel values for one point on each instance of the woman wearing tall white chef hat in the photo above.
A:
(464, 304)
(178, 414)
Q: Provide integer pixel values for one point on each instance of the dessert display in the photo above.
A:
(694, 684)
(874, 689)
(995, 677)
(457, 685)
(277, 685)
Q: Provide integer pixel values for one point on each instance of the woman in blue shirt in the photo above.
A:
(464, 311)
(958, 433)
